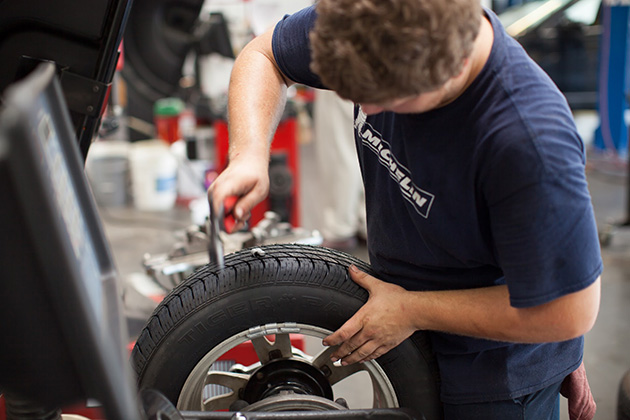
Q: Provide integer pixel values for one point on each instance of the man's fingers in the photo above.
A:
(370, 350)
(375, 354)
(350, 339)
(361, 278)
(235, 227)
(344, 334)
(243, 207)
(347, 353)
(237, 203)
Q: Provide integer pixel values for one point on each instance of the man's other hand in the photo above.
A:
(377, 327)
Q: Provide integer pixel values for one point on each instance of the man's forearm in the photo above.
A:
(256, 98)
(486, 313)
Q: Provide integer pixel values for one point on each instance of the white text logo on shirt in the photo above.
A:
(421, 200)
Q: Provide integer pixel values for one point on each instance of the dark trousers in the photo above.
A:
(540, 405)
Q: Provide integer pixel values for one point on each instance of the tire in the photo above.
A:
(623, 399)
(266, 291)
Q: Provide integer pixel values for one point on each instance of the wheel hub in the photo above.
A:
(293, 402)
(286, 376)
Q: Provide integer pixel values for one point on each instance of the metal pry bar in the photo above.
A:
(213, 228)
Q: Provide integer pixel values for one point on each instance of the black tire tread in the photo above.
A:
(281, 264)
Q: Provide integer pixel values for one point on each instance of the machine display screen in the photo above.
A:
(54, 165)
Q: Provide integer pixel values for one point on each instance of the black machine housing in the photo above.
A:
(82, 38)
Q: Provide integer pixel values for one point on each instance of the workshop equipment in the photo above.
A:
(59, 285)
(170, 268)
(81, 38)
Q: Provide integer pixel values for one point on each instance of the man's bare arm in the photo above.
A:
(256, 101)
(256, 98)
(392, 314)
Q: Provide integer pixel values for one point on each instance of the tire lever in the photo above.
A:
(213, 228)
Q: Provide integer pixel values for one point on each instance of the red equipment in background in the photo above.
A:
(284, 171)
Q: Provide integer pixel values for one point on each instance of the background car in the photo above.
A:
(563, 37)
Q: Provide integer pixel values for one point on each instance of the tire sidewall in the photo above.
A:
(213, 322)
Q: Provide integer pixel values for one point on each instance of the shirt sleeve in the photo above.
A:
(542, 219)
(291, 47)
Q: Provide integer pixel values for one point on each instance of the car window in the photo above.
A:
(584, 11)
(512, 14)
(519, 19)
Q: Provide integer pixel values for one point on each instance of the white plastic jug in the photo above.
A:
(153, 175)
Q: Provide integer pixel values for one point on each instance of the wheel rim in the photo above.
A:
(207, 374)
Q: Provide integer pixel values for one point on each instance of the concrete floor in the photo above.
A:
(606, 354)
(132, 234)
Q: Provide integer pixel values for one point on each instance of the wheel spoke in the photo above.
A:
(378, 398)
(233, 381)
(219, 402)
(334, 372)
(266, 350)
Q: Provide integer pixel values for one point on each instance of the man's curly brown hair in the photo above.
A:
(370, 51)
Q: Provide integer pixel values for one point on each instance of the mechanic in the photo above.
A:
(480, 223)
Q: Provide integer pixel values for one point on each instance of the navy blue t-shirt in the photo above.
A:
(487, 190)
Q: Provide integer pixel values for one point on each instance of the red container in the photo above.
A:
(166, 113)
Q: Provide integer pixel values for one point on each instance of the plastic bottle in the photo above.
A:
(166, 114)
(153, 175)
